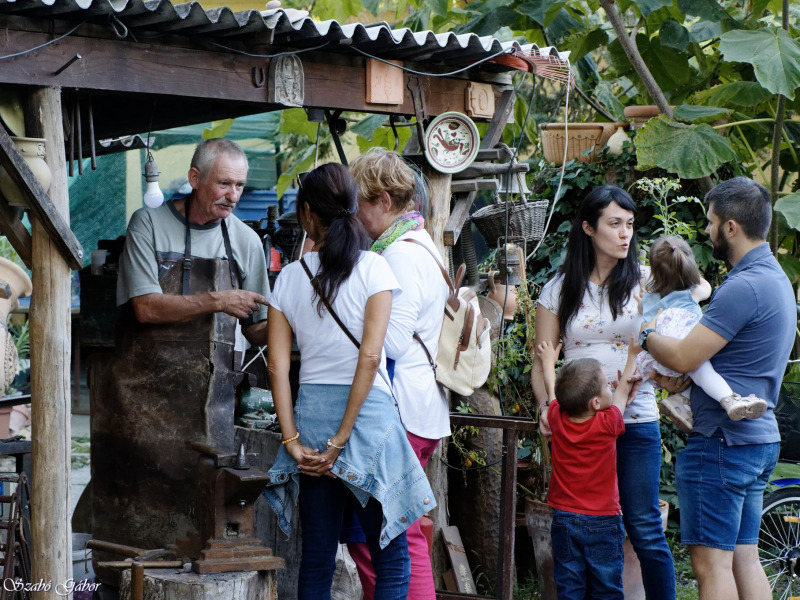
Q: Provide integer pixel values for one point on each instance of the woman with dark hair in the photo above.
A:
(591, 307)
(344, 439)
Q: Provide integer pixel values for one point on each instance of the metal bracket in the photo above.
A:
(418, 98)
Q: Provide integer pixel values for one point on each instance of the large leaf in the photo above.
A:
(690, 151)
(583, 42)
(705, 9)
(295, 120)
(789, 207)
(703, 31)
(790, 265)
(542, 11)
(606, 96)
(669, 67)
(366, 127)
(775, 57)
(562, 25)
(739, 93)
(673, 35)
(489, 22)
(700, 114)
(648, 6)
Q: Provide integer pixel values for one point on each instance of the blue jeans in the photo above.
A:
(638, 470)
(587, 551)
(322, 504)
(721, 491)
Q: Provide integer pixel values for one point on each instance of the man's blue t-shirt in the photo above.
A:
(755, 310)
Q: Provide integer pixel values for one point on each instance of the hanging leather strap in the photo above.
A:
(236, 276)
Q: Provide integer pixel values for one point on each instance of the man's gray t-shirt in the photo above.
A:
(155, 243)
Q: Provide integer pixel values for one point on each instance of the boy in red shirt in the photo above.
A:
(585, 419)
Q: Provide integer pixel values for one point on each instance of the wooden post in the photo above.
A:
(438, 206)
(51, 544)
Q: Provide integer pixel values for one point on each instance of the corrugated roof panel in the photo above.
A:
(288, 29)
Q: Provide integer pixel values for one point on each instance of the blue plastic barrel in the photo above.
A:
(253, 204)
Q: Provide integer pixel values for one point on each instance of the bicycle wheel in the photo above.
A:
(779, 542)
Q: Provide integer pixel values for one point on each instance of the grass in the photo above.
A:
(80, 452)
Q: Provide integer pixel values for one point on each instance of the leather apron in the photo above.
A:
(167, 386)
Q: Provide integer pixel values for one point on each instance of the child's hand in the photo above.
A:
(633, 346)
(547, 353)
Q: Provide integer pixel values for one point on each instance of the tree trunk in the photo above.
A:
(50, 334)
(166, 584)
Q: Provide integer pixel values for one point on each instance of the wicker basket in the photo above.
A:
(525, 220)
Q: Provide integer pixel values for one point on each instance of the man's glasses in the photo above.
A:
(300, 178)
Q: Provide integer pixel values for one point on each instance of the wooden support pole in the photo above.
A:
(438, 205)
(51, 543)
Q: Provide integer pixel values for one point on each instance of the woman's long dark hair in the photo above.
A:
(581, 257)
(330, 193)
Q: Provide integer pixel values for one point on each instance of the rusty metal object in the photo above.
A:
(147, 564)
(224, 503)
(511, 426)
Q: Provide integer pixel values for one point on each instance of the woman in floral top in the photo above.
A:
(591, 307)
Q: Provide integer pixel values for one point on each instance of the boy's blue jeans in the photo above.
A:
(322, 502)
(587, 551)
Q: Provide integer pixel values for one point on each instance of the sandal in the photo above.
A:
(678, 410)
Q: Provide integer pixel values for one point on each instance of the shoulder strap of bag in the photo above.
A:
(447, 279)
(345, 329)
(328, 306)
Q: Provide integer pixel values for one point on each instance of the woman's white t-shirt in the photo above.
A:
(327, 355)
(594, 333)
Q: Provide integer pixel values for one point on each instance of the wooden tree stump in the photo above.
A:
(168, 584)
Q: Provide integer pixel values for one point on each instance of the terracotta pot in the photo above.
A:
(33, 151)
(580, 138)
(20, 286)
(497, 292)
(639, 115)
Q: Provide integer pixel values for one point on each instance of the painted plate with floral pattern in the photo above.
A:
(451, 142)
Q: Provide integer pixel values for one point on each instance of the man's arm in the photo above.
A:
(169, 309)
(687, 354)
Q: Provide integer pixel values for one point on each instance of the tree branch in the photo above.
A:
(632, 52)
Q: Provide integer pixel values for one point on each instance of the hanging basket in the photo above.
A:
(525, 220)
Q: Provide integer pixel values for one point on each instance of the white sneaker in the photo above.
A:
(738, 408)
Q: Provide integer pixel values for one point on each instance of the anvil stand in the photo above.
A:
(226, 493)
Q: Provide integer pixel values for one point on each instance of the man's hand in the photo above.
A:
(239, 303)
(674, 385)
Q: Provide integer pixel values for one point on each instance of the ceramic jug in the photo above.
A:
(497, 292)
(20, 286)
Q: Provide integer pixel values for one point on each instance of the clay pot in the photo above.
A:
(33, 151)
(579, 137)
(639, 115)
(497, 292)
(21, 286)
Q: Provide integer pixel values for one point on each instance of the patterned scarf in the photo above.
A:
(410, 221)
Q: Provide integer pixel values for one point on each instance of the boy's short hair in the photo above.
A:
(577, 383)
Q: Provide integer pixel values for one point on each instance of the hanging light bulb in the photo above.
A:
(153, 196)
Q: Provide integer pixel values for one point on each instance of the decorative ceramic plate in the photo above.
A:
(451, 142)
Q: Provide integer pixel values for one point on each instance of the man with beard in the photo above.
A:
(747, 333)
(199, 226)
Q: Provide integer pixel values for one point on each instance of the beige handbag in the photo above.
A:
(464, 356)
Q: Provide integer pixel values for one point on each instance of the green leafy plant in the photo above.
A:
(659, 190)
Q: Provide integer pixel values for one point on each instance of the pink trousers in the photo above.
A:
(421, 584)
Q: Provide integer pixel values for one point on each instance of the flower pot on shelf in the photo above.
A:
(579, 138)
(19, 285)
(33, 151)
(639, 115)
